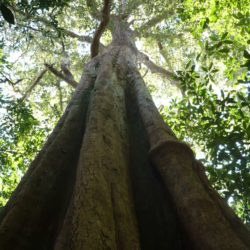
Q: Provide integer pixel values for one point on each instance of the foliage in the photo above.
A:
(21, 136)
(214, 112)
(218, 121)
(221, 27)
(42, 4)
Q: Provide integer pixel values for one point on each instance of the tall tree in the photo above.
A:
(113, 175)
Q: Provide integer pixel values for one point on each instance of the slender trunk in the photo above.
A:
(93, 185)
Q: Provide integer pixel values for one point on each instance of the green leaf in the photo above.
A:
(188, 64)
(224, 35)
(218, 44)
(225, 50)
(7, 14)
(247, 64)
(210, 66)
(248, 131)
(215, 70)
(198, 56)
(241, 97)
(246, 54)
(228, 42)
(222, 93)
(205, 23)
(204, 68)
(206, 45)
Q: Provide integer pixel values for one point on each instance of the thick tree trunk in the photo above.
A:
(94, 186)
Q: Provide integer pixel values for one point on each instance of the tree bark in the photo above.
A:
(33, 213)
(93, 185)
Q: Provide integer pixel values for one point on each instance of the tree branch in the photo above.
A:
(12, 84)
(156, 19)
(105, 20)
(69, 33)
(60, 95)
(37, 80)
(81, 38)
(154, 68)
(45, 21)
(164, 55)
(57, 73)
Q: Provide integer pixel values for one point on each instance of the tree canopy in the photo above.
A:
(194, 56)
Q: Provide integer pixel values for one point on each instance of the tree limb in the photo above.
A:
(37, 80)
(60, 95)
(12, 84)
(43, 20)
(69, 33)
(154, 68)
(57, 73)
(164, 55)
(105, 20)
(72, 34)
(81, 38)
(156, 19)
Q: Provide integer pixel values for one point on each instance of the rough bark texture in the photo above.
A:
(200, 214)
(114, 176)
(33, 212)
(159, 226)
(101, 212)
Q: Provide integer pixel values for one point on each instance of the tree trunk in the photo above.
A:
(94, 186)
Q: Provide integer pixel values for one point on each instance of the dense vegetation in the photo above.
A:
(203, 45)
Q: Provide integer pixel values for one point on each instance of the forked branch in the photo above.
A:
(59, 74)
(105, 20)
(154, 68)
(146, 26)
